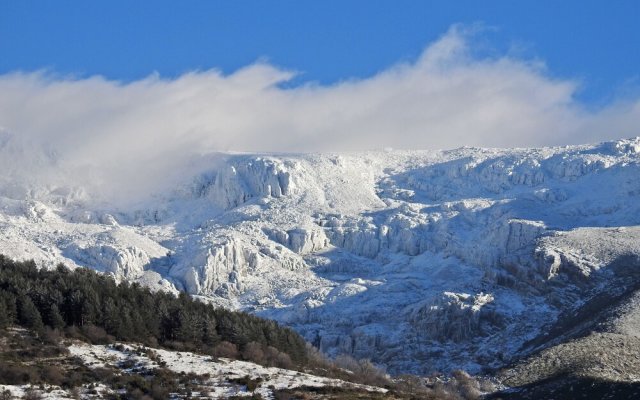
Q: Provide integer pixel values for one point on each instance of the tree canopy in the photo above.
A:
(64, 299)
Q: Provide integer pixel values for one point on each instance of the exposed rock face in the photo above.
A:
(236, 183)
(300, 240)
(127, 263)
(220, 269)
(581, 252)
(419, 260)
(453, 316)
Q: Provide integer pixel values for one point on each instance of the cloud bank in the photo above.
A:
(135, 132)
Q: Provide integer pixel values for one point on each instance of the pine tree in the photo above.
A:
(4, 315)
(8, 302)
(111, 317)
(28, 315)
(54, 318)
(210, 335)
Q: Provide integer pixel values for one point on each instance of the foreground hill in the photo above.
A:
(422, 261)
(78, 334)
(73, 369)
(58, 332)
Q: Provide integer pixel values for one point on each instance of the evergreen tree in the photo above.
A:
(111, 317)
(4, 315)
(54, 318)
(210, 335)
(8, 310)
(28, 315)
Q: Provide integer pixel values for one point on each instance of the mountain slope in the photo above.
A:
(420, 260)
(590, 352)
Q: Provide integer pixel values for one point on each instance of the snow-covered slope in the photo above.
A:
(206, 377)
(420, 260)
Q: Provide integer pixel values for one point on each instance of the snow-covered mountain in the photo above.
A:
(419, 260)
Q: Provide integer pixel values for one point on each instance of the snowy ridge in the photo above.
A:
(421, 260)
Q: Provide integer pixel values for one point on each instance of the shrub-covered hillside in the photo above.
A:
(83, 302)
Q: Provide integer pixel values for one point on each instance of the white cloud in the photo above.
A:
(137, 132)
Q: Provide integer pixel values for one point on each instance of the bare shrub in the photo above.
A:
(251, 384)
(466, 385)
(275, 358)
(443, 391)
(283, 361)
(364, 370)
(414, 386)
(316, 359)
(253, 352)
(152, 341)
(72, 331)
(347, 362)
(75, 392)
(370, 374)
(17, 374)
(270, 356)
(226, 349)
(51, 336)
(32, 394)
(96, 334)
(53, 374)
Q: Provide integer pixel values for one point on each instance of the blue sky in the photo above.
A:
(128, 85)
(593, 42)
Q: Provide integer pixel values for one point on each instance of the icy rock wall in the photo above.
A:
(505, 240)
(38, 212)
(515, 245)
(482, 173)
(473, 176)
(247, 178)
(405, 232)
(220, 266)
(366, 242)
(300, 240)
(127, 263)
(218, 269)
(359, 344)
(453, 316)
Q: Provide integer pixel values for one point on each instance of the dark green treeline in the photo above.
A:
(65, 300)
